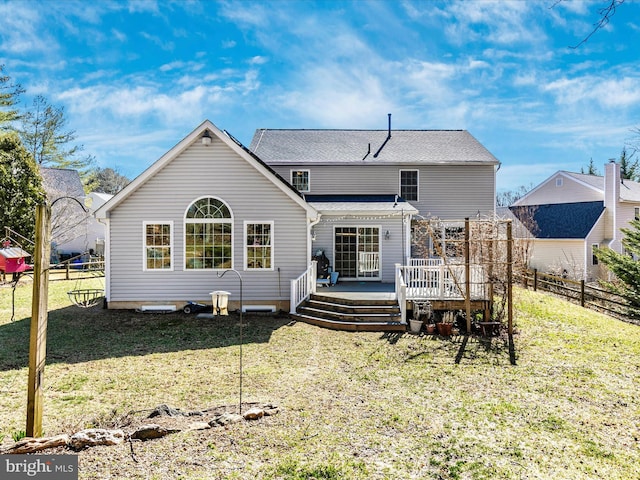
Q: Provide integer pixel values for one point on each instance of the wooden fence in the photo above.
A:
(585, 294)
(69, 269)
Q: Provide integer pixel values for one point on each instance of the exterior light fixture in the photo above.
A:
(206, 138)
(387, 235)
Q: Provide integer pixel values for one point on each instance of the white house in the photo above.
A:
(570, 214)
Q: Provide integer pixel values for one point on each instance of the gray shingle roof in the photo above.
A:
(59, 182)
(352, 146)
(629, 190)
(560, 220)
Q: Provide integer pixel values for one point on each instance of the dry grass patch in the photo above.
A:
(352, 405)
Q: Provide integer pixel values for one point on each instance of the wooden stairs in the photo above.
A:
(370, 315)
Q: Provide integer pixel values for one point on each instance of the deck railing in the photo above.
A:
(401, 293)
(302, 287)
(442, 282)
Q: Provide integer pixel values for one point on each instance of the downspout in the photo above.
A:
(309, 239)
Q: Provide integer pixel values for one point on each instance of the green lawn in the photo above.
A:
(352, 405)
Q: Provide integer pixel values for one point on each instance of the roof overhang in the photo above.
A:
(194, 136)
(361, 205)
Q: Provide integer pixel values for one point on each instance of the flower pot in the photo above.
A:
(444, 328)
(415, 325)
(431, 328)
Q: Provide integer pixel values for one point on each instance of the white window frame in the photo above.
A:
(417, 199)
(145, 247)
(245, 247)
(230, 221)
(303, 170)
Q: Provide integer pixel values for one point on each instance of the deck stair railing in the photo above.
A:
(303, 286)
(401, 292)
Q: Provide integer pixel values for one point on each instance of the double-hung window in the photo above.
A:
(158, 243)
(409, 185)
(300, 180)
(258, 245)
(208, 235)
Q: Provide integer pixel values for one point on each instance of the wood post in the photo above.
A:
(39, 313)
(467, 272)
(510, 277)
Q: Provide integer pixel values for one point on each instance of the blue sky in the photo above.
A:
(135, 77)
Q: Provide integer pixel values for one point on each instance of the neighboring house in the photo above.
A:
(74, 231)
(210, 205)
(570, 214)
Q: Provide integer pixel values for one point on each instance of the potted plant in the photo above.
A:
(431, 328)
(445, 327)
(415, 325)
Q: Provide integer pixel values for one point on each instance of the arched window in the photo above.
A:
(208, 235)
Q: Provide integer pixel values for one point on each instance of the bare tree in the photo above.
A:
(604, 13)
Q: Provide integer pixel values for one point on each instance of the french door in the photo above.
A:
(357, 252)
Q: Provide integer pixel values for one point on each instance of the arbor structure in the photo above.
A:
(20, 187)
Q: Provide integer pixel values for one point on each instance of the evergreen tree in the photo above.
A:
(44, 136)
(107, 180)
(628, 170)
(591, 169)
(625, 266)
(20, 187)
(9, 95)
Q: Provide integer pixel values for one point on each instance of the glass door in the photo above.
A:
(357, 253)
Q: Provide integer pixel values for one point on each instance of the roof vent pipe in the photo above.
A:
(375, 155)
(368, 152)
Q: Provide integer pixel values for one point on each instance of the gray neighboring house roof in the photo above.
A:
(629, 190)
(437, 147)
(560, 220)
(59, 182)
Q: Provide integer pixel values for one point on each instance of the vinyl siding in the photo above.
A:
(201, 171)
(445, 191)
(390, 250)
(571, 191)
(555, 255)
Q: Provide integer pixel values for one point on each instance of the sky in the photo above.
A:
(135, 77)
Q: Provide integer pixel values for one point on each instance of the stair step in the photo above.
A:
(353, 309)
(367, 316)
(377, 315)
(353, 326)
(353, 302)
